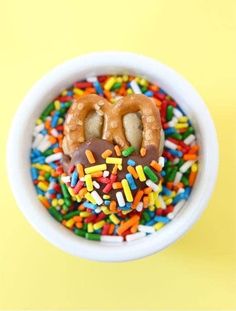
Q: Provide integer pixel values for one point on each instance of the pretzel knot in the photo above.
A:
(113, 130)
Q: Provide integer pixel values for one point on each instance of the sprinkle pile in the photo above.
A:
(74, 200)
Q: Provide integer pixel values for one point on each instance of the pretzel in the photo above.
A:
(113, 130)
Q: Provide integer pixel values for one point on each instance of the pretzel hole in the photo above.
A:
(93, 125)
(133, 129)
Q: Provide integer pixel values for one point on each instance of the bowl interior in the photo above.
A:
(46, 90)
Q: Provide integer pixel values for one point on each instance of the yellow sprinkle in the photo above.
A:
(119, 167)
(126, 212)
(181, 125)
(194, 167)
(90, 227)
(183, 119)
(140, 173)
(89, 197)
(114, 219)
(109, 83)
(143, 82)
(125, 78)
(119, 79)
(88, 182)
(99, 225)
(41, 178)
(151, 198)
(71, 191)
(38, 121)
(127, 191)
(70, 223)
(78, 91)
(117, 161)
(43, 167)
(168, 201)
(64, 93)
(60, 121)
(95, 168)
(156, 200)
(151, 208)
(78, 198)
(158, 225)
(43, 186)
(60, 201)
(54, 202)
(84, 214)
(106, 197)
(129, 91)
(173, 194)
(105, 210)
(57, 104)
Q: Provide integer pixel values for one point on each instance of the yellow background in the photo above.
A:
(198, 39)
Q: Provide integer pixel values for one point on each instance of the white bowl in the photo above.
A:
(46, 90)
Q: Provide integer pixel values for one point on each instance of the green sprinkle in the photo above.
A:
(128, 151)
(169, 113)
(47, 175)
(67, 202)
(65, 208)
(80, 232)
(93, 236)
(189, 131)
(185, 181)
(47, 111)
(71, 214)
(177, 136)
(64, 190)
(143, 89)
(171, 175)
(55, 214)
(63, 111)
(116, 86)
(150, 174)
(181, 161)
(68, 104)
(48, 152)
(146, 216)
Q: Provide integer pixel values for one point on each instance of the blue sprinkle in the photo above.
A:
(166, 191)
(40, 160)
(98, 88)
(187, 191)
(175, 153)
(59, 196)
(151, 214)
(179, 197)
(39, 191)
(55, 119)
(107, 202)
(131, 181)
(51, 191)
(90, 205)
(162, 219)
(37, 152)
(161, 91)
(150, 222)
(69, 93)
(74, 178)
(44, 132)
(149, 93)
(169, 131)
(163, 173)
(56, 145)
(53, 165)
(34, 173)
(131, 162)
(52, 179)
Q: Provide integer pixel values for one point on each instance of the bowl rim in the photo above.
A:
(25, 195)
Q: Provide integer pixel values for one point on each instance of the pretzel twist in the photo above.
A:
(113, 129)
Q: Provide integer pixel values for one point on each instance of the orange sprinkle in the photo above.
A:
(82, 192)
(169, 185)
(97, 174)
(44, 201)
(111, 229)
(194, 149)
(47, 124)
(117, 185)
(178, 186)
(134, 228)
(143, 152)
(155, 165)
(158, 102)
(64, 222)
(77, 218)
(81, 207)
(107, 94)
(132, 171)
(77, 96)
(115, 169)
(52, 140)
(122, 90)
(117, 150)
(147, 190)
(90, 90)
(79, 225)
(127, 224)
(188, 156)
(192, 178)
(112, 206)
(137, 198)
(56, 150)
(80, 170)
(106, 153)
(153, 88)
(90, 156)
(145, 201)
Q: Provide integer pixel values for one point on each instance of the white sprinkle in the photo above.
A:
(97, 210)
(96, 184)
(97, 197)
(177, 208)
(44, 144)
(178, 177)
(161, 161)
(120, 198)
(38, 129)
(173, 122)
(54, 132)
(92, 79)
(139, 207)
(152, 185)
(183, 169)
(190, 139)
(181, 190)
(37, 140)
(170, 145)
(175, 161)
(112, 238)
(162, 202)
(82, 179)
(53, 157)
(135, 236)
(146, 229)
(135, 87)
(106, 173)
(177, 113)
(65, 179)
